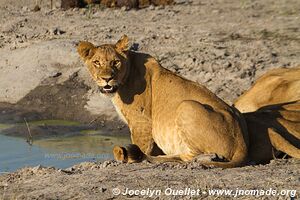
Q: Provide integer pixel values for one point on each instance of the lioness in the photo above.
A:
(271, 108)
(166, 113)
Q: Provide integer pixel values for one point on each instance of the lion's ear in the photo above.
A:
(86, 50)
(122, 44)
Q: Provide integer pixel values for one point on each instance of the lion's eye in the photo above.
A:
(96, 63)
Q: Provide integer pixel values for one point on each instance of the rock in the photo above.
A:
(55, 74)
(58, 31)
(151, 7)
(25, 8)
(66, 171)
(274, 54)
(220, 53)
(36, 8)
(105, 164)
(189, 62)
(37, 168)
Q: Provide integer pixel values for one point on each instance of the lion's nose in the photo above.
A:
(107, 79)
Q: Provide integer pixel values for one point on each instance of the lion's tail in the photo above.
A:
(134, 154)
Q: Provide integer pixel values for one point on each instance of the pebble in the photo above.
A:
(37, 168)
(25, 8)
(57, 31)
(101, 189)
(151, 7)
(36, 8)
(106, 164)
(55, 74)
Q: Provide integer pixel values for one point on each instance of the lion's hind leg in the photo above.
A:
(208, 132)
(214, 138)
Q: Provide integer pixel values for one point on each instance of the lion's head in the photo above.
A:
(107, 64)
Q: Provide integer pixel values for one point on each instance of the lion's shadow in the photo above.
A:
(136, 82)
(268, 117)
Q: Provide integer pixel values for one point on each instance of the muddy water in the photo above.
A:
(64, 149)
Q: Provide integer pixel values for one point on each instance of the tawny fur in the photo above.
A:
(170, 118)
(275, 87)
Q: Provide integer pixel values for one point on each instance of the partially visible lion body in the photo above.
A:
(271, 108)
(274, 129)
(275, 87)
(170, 118)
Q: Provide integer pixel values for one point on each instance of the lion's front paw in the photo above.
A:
(120, 154)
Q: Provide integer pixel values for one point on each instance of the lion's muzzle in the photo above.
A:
(108, 89)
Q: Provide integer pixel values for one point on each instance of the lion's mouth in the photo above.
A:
(108, 89)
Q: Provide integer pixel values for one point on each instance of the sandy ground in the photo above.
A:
(97, 181)
(223, 44)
